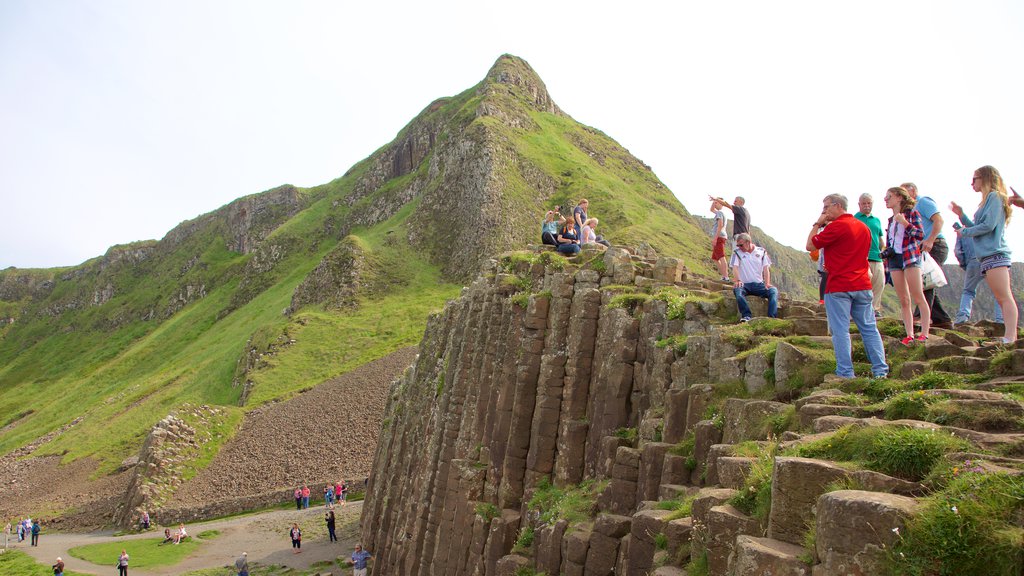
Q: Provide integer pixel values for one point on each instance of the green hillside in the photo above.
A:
(279, 291)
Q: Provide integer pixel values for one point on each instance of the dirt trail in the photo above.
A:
(263, 536)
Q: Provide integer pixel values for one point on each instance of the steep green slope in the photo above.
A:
(278, 291)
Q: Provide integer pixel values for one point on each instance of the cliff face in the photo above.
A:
(602, 415)
(504, 394)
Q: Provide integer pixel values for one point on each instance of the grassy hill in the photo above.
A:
(276, 292)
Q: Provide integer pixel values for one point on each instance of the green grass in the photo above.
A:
(16, 562)
(755, 497)
(573, 504)
(908, 453)
(971, 527)
(146, 553)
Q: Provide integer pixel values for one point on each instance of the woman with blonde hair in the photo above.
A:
(903, 259)
(987, 230)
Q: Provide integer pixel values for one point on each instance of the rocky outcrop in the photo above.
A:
(158, 468)
(609, 370)
(335, 281)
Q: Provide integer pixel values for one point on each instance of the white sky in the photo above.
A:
(118, 120)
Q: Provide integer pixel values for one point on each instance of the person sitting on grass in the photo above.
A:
(167, 536)
(181, 534)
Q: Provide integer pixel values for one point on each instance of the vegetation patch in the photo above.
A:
(17, 562)
(146, 553)
(677, 343)
(573, 504)
(973, 526)
(908, 453)
(755, 498)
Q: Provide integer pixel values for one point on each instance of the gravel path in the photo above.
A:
(263, 536)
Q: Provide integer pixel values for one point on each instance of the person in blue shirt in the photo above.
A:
(987, 231)
(358, 561)
(935, 245)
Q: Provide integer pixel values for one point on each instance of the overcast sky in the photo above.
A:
(118, 120)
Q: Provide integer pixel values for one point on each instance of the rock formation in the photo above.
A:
(609, 377)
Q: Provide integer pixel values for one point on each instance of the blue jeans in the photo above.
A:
(840, 308)
(972, 277)
(756, 289)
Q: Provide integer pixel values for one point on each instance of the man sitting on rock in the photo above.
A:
(750, 268)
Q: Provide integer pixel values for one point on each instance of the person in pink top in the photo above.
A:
(305, 496)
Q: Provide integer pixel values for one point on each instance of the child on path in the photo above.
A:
(296, 536)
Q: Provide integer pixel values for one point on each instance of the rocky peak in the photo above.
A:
(515, 75)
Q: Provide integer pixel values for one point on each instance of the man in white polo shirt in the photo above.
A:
(750, 268)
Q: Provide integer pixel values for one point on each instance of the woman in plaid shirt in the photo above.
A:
(903, 259)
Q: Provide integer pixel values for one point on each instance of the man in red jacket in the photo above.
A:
(848, 292)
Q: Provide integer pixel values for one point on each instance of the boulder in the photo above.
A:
(748, 419)
(732, 471)
(724, 524)
(796, 485)
(788, 361)
(759, 556)
(854, 528)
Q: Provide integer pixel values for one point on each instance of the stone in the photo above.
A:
(602, 555)
(675, 414)
(733, 470)
(706, 434)
(788, 361)
(808, 413)
(853, 528)
(652, 460)
(675, 470)
(646, 525)
(759, 556)
(511, 565)
(724, 524)
(717, 451)
(754, 373)
(818, 397)
(678, 533)
(940, 348)
(748, 419)
(548, 547)
(809, 326)
(796, 485)
(612, 525)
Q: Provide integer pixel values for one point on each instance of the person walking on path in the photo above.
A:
(875, 266)
(987, 231)
(718, 236)
(344, 492)
(35, 533)
(328, 496)
(58, 568)
(935, 245)
(752, 276)
(337, 492)
(329, 519)
(144, 520)
(305, 497)
(848, 293)
(242, 564)
(298, 498)
(122, 564)
(296, 536)
(358, 560)
(903, 249)
(7, 535)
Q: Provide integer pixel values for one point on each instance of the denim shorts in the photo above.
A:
(997, 260)
(896, 262)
